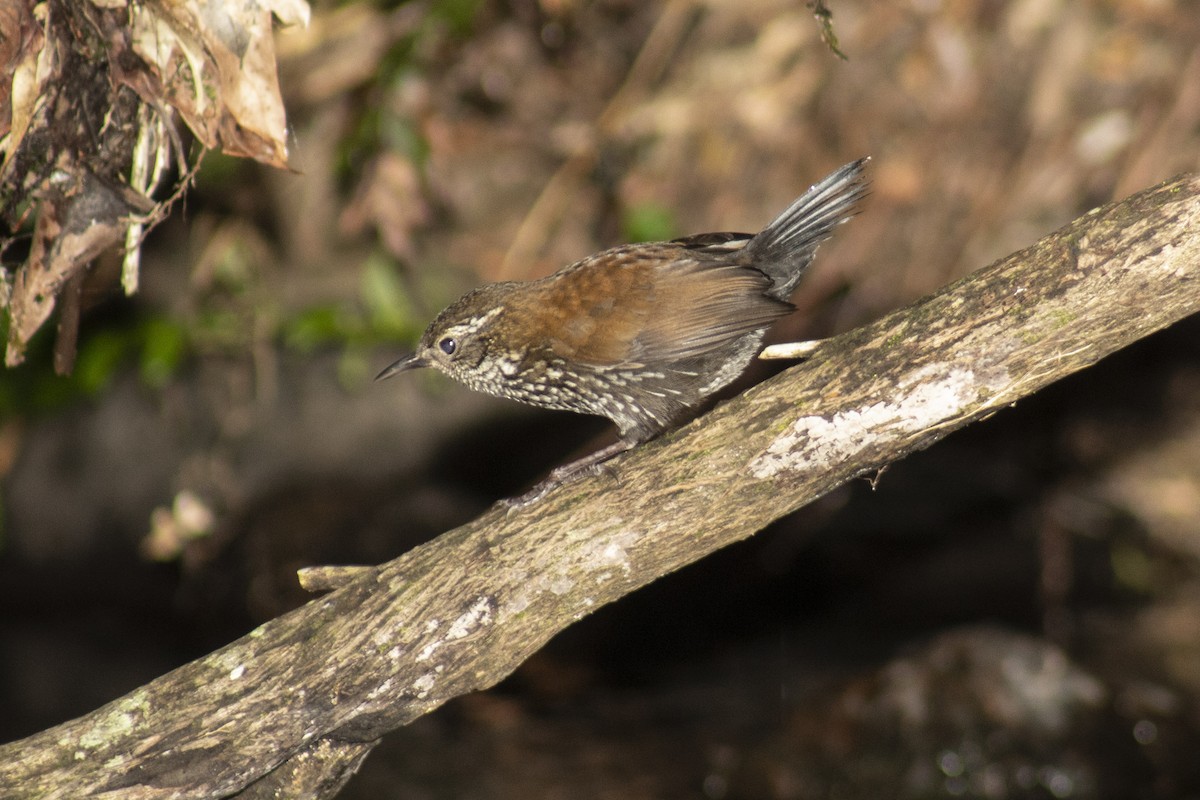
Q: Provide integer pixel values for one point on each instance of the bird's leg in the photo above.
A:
(569, 473)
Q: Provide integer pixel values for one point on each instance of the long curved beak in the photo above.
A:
(411, 361)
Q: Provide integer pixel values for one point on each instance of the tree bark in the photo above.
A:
(292, 708)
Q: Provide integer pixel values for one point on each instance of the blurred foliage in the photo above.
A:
(163, 351)
(390, 313)
(379, 126)
(379, 129)
(155, 346)
(385, 314)
(217, 171)
(648, 222)
(459, 15)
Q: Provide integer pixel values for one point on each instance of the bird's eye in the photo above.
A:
(448, 345)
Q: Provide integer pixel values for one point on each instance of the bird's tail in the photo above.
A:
(786, 247)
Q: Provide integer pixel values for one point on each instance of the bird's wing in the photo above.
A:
(650, 304)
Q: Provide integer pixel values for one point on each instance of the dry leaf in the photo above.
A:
(72, 228)
(215, 64)
(25, 70)
(88, 176)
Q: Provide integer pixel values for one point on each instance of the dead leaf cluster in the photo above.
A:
(88, 97)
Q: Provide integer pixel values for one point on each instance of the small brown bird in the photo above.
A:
(642, 333)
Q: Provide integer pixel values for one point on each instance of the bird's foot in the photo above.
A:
(585, 467)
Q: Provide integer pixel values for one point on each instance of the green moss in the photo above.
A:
(1061, 318)
(780, 426)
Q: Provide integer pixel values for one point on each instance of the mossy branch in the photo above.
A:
(292, 708)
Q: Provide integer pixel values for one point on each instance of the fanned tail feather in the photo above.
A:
(785, 248)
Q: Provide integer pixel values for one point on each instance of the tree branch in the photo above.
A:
(293, 707)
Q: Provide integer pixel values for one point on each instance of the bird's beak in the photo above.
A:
(412, 361)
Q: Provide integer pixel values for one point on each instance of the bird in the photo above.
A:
(642, 334)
